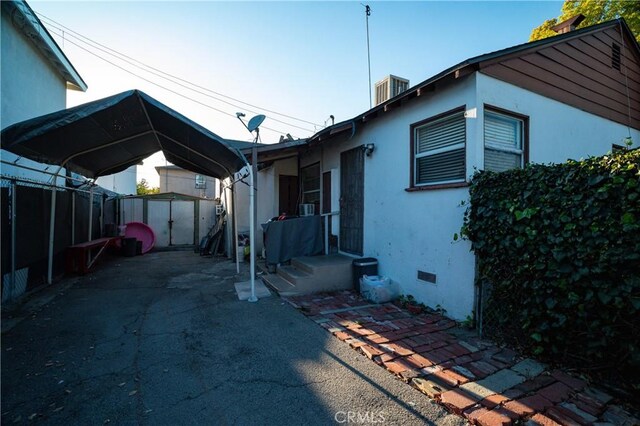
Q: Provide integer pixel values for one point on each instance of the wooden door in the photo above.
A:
(351, 200)
(288, 195)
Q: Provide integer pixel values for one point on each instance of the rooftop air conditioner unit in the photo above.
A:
(389, 87)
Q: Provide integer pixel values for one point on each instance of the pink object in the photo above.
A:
(141, 232)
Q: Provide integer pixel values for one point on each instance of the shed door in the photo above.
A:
(182, 222)
(351, 200)
(158, 216)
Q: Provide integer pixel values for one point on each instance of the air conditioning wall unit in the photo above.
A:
(389, 87)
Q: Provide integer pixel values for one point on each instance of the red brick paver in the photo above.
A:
(420, 350)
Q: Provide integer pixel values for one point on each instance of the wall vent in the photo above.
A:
(427, 276)
(615, 56)
(389, 87)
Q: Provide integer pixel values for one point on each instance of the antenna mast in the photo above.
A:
(367, 14)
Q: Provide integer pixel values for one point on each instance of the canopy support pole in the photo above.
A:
(73, 218)
(52, 219)
(14, 186)
(90, 231)
(235, 226)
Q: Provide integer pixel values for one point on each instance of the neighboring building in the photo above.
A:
(399, 172)
(35, 76)
(276, 183)
(185, 182)
(121, 183)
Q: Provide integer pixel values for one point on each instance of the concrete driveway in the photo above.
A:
(162, 339)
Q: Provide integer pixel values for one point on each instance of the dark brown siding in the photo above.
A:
(579, 73)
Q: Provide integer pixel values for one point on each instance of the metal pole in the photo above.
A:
(52, 219)
(90, 213)
(326, 234)
(101, 215)
(254, 190)
(252, 238)
(73, 218)
(235, 226)
(13, 238)
(368, 13)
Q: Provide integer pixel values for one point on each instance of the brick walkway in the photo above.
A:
(473, 378)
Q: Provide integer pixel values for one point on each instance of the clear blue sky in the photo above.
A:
(303, 59)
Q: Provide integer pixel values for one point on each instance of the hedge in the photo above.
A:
(559, 245)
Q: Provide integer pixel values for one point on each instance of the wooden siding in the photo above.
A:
(578, 72)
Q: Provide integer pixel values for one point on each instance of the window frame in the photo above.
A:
(304, 191)
(413, 185)
(525, 133)
(202, 183)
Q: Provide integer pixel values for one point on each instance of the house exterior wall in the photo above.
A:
(579, 72)
(411, 231)
(557, 131)
(181, 181)
(267, 196)
(122, 183)
(30, 87)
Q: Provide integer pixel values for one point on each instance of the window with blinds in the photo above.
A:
(503, 142)
(439, 154)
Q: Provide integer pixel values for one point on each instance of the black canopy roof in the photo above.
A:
(111, 134)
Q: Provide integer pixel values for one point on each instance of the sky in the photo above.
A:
(296, 62)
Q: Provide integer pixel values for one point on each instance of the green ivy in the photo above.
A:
(560, 246)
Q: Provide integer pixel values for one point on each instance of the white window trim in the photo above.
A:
(417, 156)
(495, 147)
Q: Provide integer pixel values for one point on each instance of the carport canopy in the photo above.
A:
(111, 134)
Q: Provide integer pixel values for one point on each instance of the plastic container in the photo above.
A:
(364, 266)
(138, 248)
(129, 247)
(141, 232)
(378, 289)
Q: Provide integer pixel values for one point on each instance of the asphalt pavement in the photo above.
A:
(162, 339)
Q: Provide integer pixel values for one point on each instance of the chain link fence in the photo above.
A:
(25, 215)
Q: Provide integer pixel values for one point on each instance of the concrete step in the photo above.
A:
(325, 279)
(319, 264)
(280, 285)
(293, 274)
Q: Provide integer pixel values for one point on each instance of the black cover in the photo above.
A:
(286, 239)
(111, 134)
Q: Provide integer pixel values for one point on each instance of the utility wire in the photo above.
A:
(163, 87)
(129, 59)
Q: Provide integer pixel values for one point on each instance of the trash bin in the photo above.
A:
(364, 266)
(129, 247)
(138, 247)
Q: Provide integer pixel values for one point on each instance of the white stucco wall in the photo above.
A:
(30, 87)
(412, 231)
(122, 183)
(557, 132)
(266, 196)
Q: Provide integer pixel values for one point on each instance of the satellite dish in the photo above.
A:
(255, 122)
